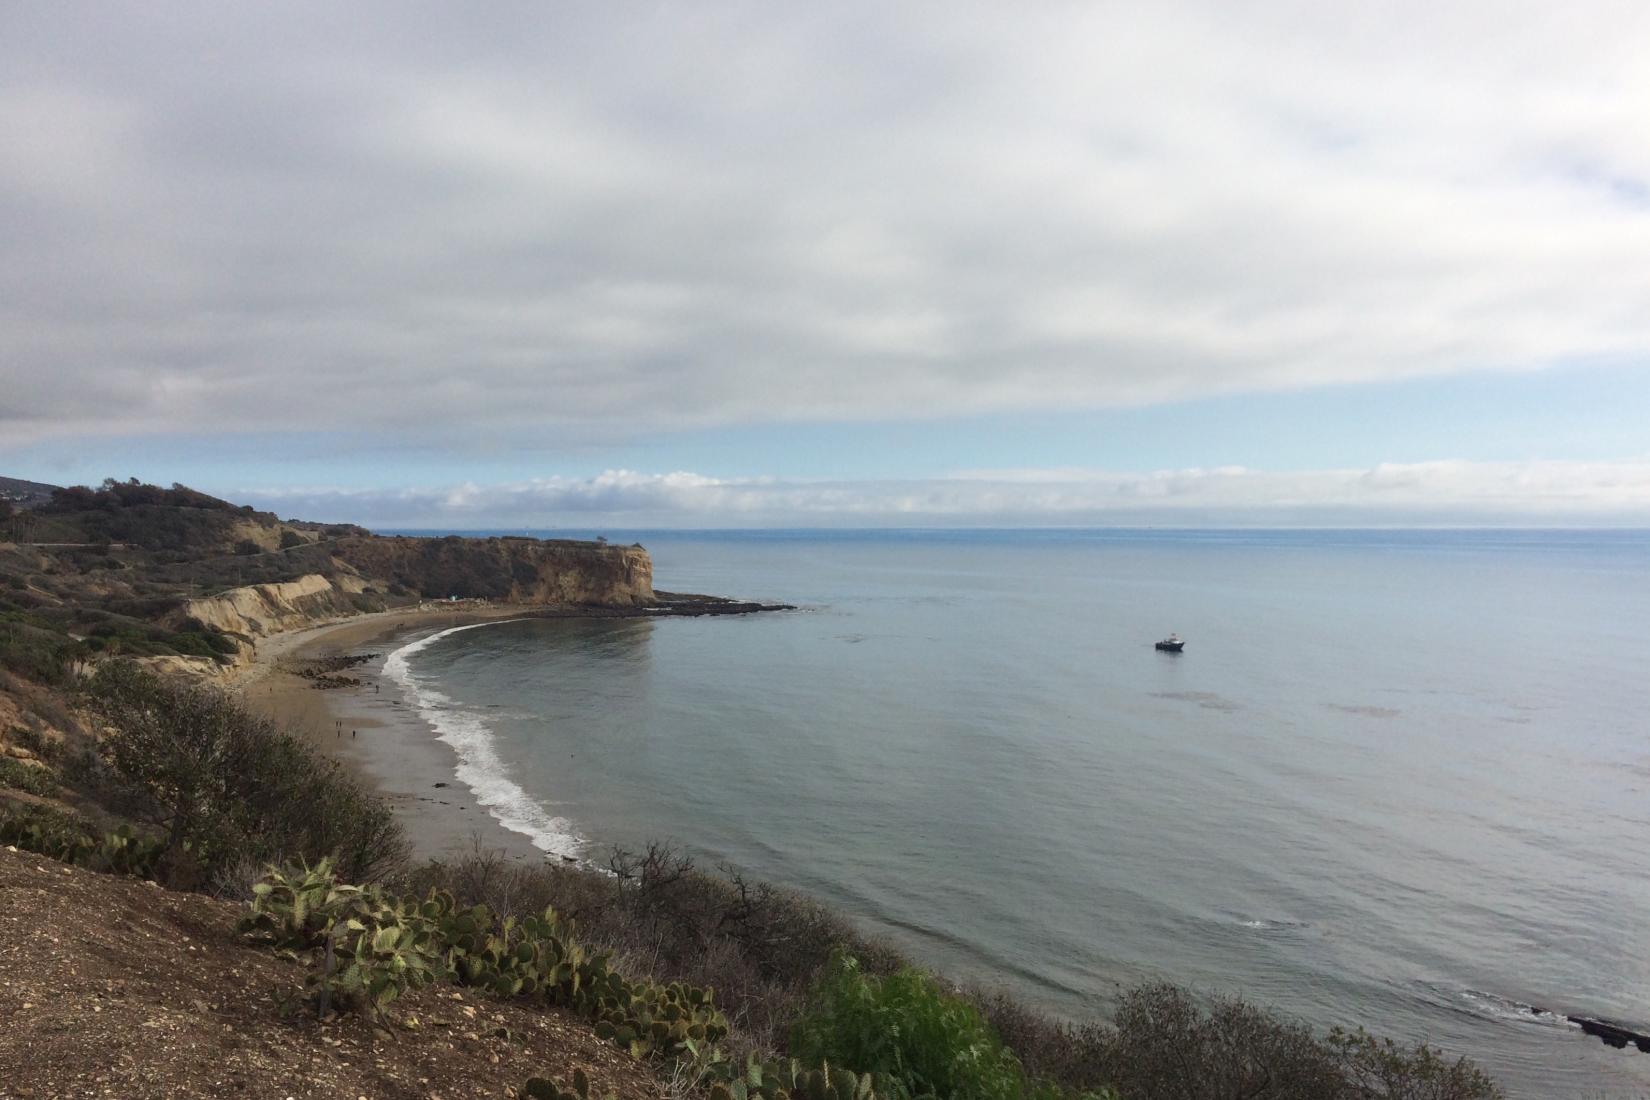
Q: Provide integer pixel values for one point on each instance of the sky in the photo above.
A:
(729, 264)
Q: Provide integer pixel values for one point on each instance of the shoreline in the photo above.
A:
(375, 732)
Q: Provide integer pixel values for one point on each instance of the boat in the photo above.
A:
(1171, 644)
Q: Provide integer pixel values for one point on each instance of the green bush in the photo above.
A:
(32, 648)
(916, 1037)
(201, 643)
(226, 786)
(44, 830)
(24, 777)
(64, 836)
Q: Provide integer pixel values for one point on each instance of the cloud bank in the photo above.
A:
(441, 225)
(1440, 493)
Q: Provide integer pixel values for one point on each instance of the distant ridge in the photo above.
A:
(25, 493)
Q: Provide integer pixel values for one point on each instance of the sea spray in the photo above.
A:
(479, 767)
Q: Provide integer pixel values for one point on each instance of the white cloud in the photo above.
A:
(594, 222)
(1443, 493)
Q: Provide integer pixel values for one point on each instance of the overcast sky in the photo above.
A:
(707, 264)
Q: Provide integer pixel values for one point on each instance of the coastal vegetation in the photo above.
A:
(797, 980)
(136, 570)
(797, 989)
(226, 789)
(725, 988)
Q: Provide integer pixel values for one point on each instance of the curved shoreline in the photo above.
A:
(376, 732)
(468, 733)
(379, 733)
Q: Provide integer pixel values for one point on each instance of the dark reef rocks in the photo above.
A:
(1610, 1034)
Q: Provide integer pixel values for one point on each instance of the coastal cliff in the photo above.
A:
(519, 571)
(261, 609)
(533, 572)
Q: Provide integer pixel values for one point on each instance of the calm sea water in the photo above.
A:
(1399, 779)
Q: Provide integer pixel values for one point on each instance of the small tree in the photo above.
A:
(173, 752)
(246, 548)
(290, 538)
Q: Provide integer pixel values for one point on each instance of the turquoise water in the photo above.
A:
(1397, 778)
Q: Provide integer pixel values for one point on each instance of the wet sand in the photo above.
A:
(374, 732)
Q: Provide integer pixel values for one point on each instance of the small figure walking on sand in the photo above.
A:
(352, 735)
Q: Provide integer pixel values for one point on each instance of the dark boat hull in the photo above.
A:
(1171, 647)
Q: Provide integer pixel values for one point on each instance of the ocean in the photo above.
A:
(1397, 778)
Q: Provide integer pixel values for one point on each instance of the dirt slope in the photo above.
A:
(111, 987)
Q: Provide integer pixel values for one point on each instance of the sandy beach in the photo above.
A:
(373, 731)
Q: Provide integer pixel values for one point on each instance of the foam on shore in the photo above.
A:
(479, 767)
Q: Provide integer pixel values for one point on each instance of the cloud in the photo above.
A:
(590, 223)
(1442, 493)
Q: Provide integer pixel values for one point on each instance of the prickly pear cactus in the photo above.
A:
(788, 1079)
(543, 1088)
(383, 945)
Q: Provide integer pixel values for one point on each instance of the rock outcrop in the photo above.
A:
(534, 572)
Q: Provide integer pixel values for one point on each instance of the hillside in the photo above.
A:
(115, 987)
(25, 493)
(138, 570)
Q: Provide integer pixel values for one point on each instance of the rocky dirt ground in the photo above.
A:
(110, 987)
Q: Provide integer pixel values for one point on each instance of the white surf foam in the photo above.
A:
(1505, 1008)
(479, 767)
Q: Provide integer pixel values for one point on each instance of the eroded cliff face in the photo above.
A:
(509, 570)
(528, 572)
(261, 609)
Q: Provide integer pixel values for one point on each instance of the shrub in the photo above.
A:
(225, 786)
(1074, 1055)
(1166, 1043)
(64, 836)
(32, 736)
(44, 830)
(31, 648)
(760, 947)
(246, 548)
(290, 538)
(911, 1033)
(24, 777)
(1382, 1070)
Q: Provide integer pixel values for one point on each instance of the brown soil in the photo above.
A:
(110, 987)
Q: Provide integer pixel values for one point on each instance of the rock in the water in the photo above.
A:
(1613, 1034)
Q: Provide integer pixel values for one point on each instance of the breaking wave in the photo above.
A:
(479, 767)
